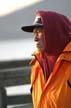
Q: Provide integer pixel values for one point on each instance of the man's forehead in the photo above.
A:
(38, 29)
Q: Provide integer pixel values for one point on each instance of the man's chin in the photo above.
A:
(40, 49)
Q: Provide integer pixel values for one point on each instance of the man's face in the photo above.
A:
(39, 38)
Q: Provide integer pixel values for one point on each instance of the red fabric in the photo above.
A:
(56, 30)
(46, 62)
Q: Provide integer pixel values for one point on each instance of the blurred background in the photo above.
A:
(14, 43)
(17, 46)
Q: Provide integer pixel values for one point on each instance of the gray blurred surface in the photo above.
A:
(29, 105)
(10, 25)
(14, 73)
(20, 99)
(16, 44)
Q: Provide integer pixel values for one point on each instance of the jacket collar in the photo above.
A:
(66, 54)
(67, 48)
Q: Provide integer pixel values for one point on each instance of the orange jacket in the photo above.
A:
(56, 92)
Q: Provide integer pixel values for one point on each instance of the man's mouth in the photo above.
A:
(37, 42)
(35, 39)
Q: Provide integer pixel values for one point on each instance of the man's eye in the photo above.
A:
(39, 31)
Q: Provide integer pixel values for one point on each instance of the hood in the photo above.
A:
(56, 31)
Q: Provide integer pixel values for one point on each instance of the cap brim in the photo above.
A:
(31, 27)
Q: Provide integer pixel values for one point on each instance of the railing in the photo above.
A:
(15, 73)
(15, 76)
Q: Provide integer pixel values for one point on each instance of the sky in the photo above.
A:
(8, 6)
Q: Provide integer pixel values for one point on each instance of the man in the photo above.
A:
(51, 67)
